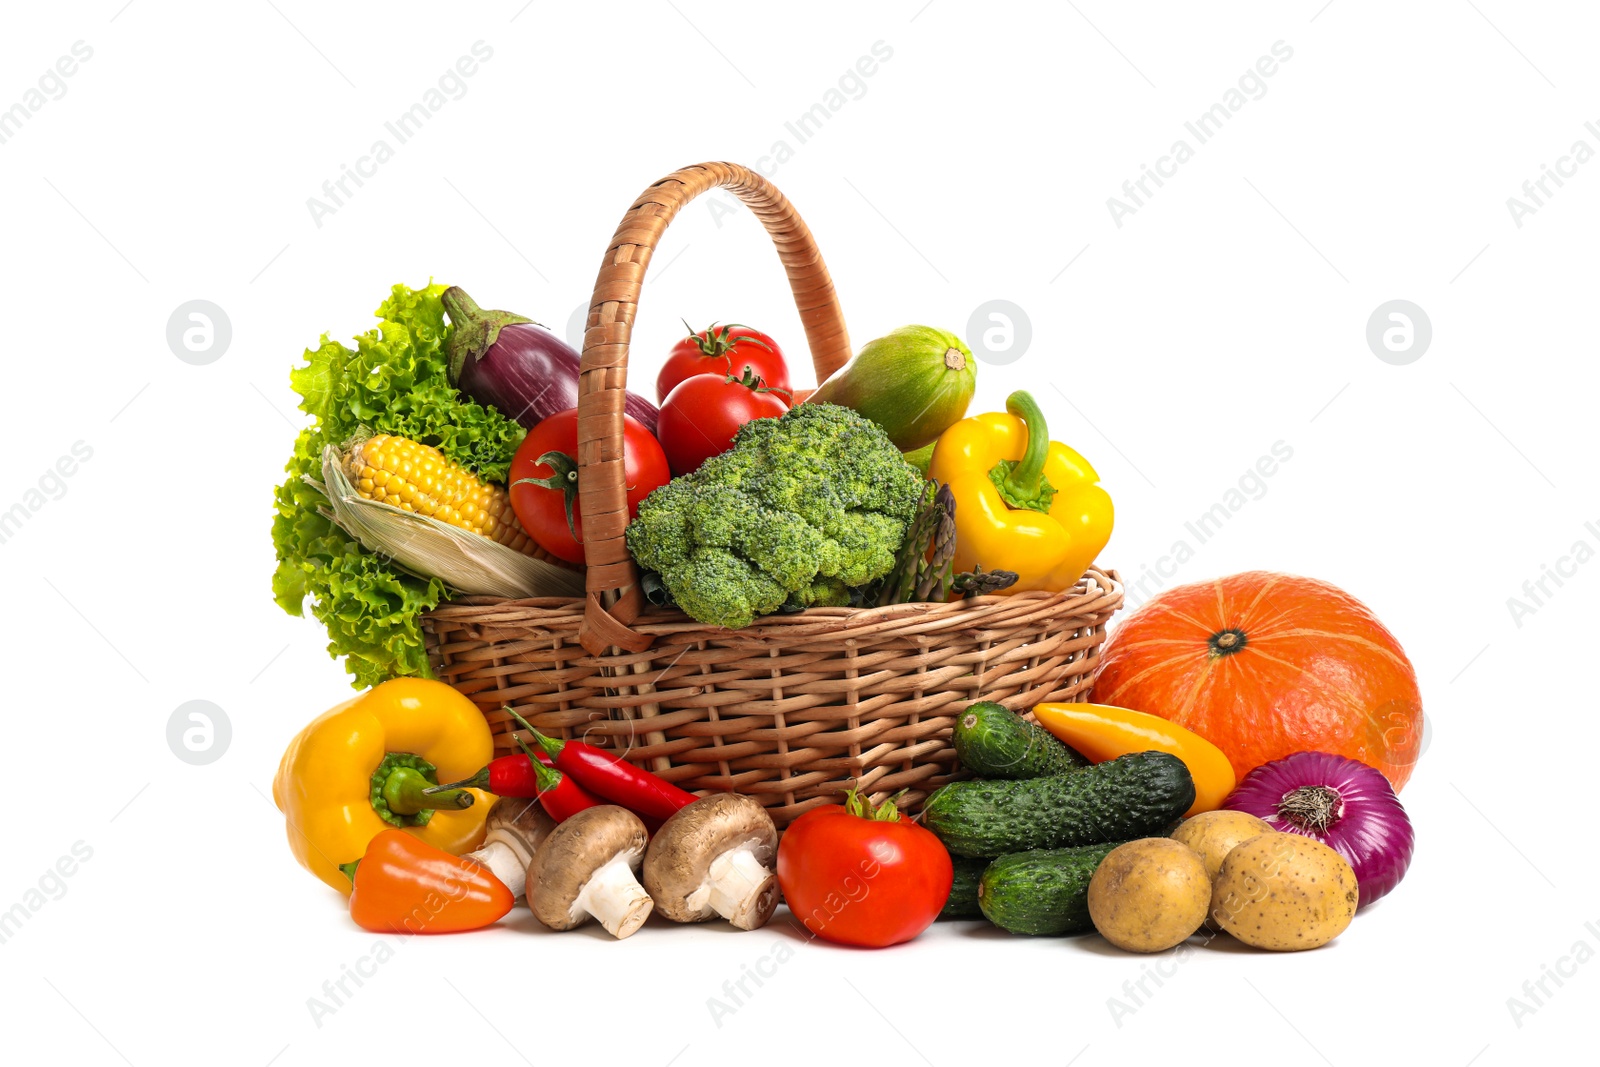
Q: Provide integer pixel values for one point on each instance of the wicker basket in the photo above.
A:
(795, 708)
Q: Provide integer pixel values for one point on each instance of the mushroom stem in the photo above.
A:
(614, 896)
(736, 884)
(516, 827)
(504, 862)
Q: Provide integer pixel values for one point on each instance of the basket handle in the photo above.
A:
(614, 598)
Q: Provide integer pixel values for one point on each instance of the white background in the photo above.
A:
(1227, 314)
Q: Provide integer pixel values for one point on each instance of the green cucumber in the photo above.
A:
(963, 900)
(915, 382)
(994, 742)
(1044, 892)
(1137, 795)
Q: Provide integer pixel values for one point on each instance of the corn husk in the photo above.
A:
(464, 561)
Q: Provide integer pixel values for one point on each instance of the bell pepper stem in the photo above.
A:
(1022, 482)
(406, 792)
(1024, 477)
(397, 791)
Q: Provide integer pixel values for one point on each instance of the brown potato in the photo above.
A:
(1284, 892)
(1149, 895)
(1213, 834)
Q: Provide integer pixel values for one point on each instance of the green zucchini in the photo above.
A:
(963, 901)
(915, 382)
(995, 742)
(1043, 892)
(1136, 795)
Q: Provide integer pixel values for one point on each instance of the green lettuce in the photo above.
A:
(393, 382)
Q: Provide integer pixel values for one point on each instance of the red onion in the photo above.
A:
(517, 366)
(1341, 802)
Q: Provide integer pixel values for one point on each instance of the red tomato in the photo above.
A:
(723, 350)
(863, 880)
(701, 414)
(544, 480)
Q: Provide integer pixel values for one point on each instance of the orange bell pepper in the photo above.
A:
(1102, 732)
(403, 885)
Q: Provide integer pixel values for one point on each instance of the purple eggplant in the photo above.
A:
(517, 366)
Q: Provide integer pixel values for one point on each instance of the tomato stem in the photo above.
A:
(563, 479)
(858, 804)
(716, 342)
(757, 384)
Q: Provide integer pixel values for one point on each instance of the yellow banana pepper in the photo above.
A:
(1024, 503)
(360, 768)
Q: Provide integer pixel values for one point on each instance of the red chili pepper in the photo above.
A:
(560, 794)
(615, 778)
(529, 774)
(506, 776)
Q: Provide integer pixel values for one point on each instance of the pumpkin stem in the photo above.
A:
(1311, 807)
(1226, 642)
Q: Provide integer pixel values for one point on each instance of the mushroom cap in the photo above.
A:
(522, 816)
(575, 849)
(679, 859)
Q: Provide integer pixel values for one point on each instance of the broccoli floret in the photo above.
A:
(716, 586)
(798, 511)
(863, 544)
(822, 593)
(662, 537)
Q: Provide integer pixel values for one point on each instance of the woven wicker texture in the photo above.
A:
(794, 709)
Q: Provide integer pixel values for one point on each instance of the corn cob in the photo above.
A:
(416, 477)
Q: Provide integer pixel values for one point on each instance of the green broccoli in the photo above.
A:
(798, 512)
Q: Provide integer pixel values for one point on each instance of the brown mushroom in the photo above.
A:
(515, 828)
(713, 858)
(585, 869)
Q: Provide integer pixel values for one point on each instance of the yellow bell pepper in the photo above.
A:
(1024, 503)
(360, 768)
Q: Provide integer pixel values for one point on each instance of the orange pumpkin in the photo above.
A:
(1263, 665)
